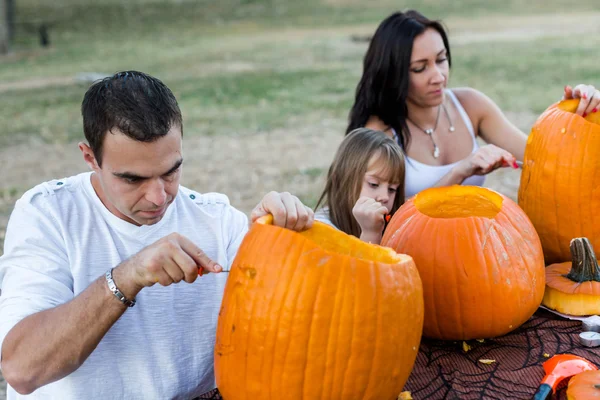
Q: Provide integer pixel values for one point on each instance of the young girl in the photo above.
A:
(365, 184)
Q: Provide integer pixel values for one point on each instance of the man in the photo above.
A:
(81, 316)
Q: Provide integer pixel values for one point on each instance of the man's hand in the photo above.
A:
(287, 210)
(169, 260)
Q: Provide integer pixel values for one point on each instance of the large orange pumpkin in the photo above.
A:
(478, 256)
(559, 187)
(317, 315)
(584, 386)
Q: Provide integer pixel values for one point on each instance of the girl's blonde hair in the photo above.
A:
(348, 169)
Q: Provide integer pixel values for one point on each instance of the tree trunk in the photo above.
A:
(10, 18)
(3, 27)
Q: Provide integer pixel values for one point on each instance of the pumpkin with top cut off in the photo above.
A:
(560, 182)
(317, 315)
(479, 258)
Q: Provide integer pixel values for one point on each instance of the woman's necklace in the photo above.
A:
(429, 132)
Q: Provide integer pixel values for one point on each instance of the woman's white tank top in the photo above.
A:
(421, 176)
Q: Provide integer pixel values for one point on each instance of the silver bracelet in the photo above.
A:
(113, 288)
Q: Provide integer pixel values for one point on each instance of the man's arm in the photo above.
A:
(51, 344)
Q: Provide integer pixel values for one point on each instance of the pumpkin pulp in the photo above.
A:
(334, 241)
(458, 202)
(574, 287)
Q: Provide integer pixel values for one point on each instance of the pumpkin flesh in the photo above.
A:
(317, 315)
(479, 258)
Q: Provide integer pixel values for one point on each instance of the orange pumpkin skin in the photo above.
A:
(584, 386)
(479, 258)
(559, 190)
(574, 287)
(317, 315)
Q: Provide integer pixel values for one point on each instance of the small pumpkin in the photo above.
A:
(559, 189)
(317, 315)
(574, 287)
(478, 256)
(584, 386)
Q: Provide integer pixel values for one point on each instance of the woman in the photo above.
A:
(403, 93)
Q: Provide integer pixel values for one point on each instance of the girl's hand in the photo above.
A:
(485, 160)
(589, 95)
(370, 215)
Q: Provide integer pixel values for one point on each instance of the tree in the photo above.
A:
(4, 34)
(10, 18)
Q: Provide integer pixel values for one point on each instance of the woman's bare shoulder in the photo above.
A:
(468, 95)
(475, 103)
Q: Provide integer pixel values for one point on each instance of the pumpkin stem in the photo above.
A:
(584, 267)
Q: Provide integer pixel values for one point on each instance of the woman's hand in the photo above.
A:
(485, 160)
(370, 215)
(589, 95)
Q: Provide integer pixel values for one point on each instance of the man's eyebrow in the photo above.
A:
(135, 177)
(175, 167)
(424, 59)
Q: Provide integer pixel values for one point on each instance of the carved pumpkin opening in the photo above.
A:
(458, 202)
(334, 241)
(571, 106)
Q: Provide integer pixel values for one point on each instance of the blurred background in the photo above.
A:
(265, 86)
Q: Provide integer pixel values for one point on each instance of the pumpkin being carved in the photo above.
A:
(559, 190)
(479, 258)
(317, 315)
(574, 287)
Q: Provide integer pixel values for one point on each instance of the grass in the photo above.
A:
(244, 66)
(252, 87)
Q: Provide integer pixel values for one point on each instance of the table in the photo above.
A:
(444, 371)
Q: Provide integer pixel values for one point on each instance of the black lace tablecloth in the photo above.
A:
(443, 370)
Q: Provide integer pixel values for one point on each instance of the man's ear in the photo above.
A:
(88, 156)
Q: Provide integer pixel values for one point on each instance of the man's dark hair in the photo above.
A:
(137, 104)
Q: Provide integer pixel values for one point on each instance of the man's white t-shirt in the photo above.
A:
(322, 215)
(60, 238)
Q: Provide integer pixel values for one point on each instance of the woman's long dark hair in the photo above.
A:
(383, 87)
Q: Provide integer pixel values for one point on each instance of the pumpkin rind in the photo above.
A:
(317, 315)
(483, 275)
(574, 287)
(584, 386)
(559, 190)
